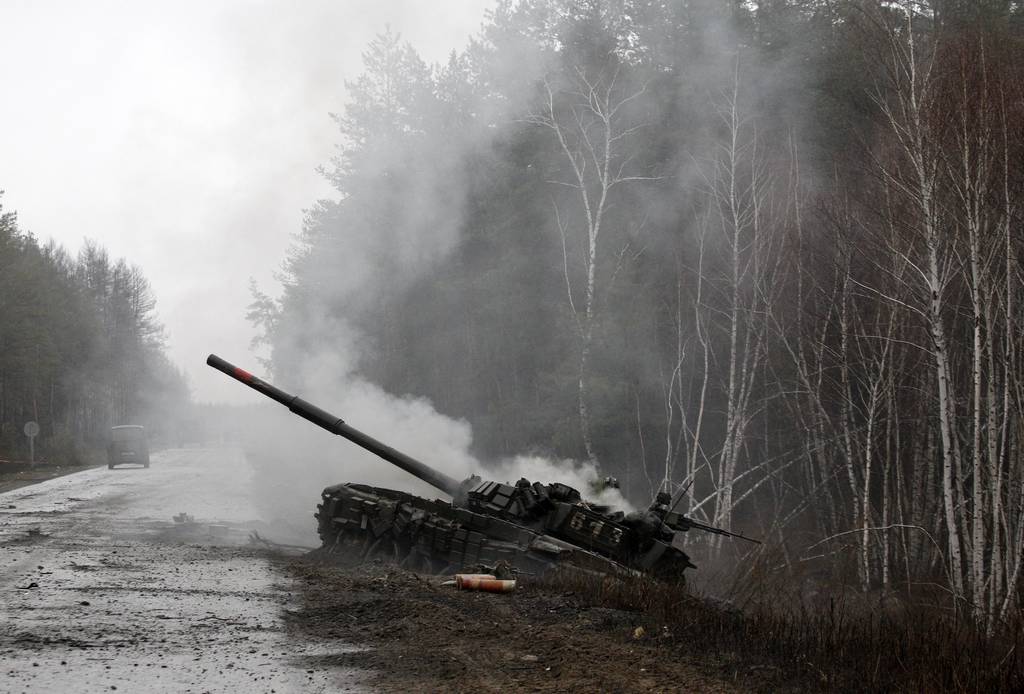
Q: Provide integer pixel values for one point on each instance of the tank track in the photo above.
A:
(437, 537)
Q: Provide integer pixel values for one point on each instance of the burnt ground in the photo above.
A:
(421, 636)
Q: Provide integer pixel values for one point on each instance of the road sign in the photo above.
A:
(31, 431)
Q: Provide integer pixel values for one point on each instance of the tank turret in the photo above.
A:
(527, 525)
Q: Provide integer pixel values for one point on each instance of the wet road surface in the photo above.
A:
(105, 590)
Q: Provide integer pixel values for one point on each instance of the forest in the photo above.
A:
(767, 253)
(81, 349)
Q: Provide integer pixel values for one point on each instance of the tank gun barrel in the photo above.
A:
(677, 521)
(336, 425)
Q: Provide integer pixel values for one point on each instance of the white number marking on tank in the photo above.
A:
(577, 521)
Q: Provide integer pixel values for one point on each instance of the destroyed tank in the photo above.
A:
(528, 526)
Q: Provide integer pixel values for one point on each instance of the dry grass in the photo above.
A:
(837, 642)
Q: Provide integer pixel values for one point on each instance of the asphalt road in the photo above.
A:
(104, 590)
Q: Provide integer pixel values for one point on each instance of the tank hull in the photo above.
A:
(434, 536)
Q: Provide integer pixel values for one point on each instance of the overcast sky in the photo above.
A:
(185, 136)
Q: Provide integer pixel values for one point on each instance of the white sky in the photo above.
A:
(184, 136)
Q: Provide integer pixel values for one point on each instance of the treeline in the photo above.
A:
(80, 348)
(768, 253)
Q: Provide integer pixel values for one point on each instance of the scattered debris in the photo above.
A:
(502, 570)
(497, 579)
(484, 582)
(75, 566)
(256, 539)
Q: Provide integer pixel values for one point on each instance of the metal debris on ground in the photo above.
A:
(502, 570)
(483, 582)
(256, 539)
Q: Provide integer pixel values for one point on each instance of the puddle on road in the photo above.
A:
(207, 615)
(127, 598)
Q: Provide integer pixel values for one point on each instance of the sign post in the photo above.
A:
(31, 431)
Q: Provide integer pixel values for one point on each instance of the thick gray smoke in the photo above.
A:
(295, 460)
(368, 260)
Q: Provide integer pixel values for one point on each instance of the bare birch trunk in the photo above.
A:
(590, 135)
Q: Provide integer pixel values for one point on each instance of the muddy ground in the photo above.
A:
(422, 636)
(150, 580)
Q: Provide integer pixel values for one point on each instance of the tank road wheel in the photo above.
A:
(335, 547)
(341, 542)
(420, 562)
(410, 562)
(373, 547)
(385, 547)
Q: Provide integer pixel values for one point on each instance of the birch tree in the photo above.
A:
(592, 125)
(907, 114)
(740, 193)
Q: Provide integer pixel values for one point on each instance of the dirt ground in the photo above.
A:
(421, 636)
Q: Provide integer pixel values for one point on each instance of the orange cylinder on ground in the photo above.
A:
(459, 578)
(489, 585)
